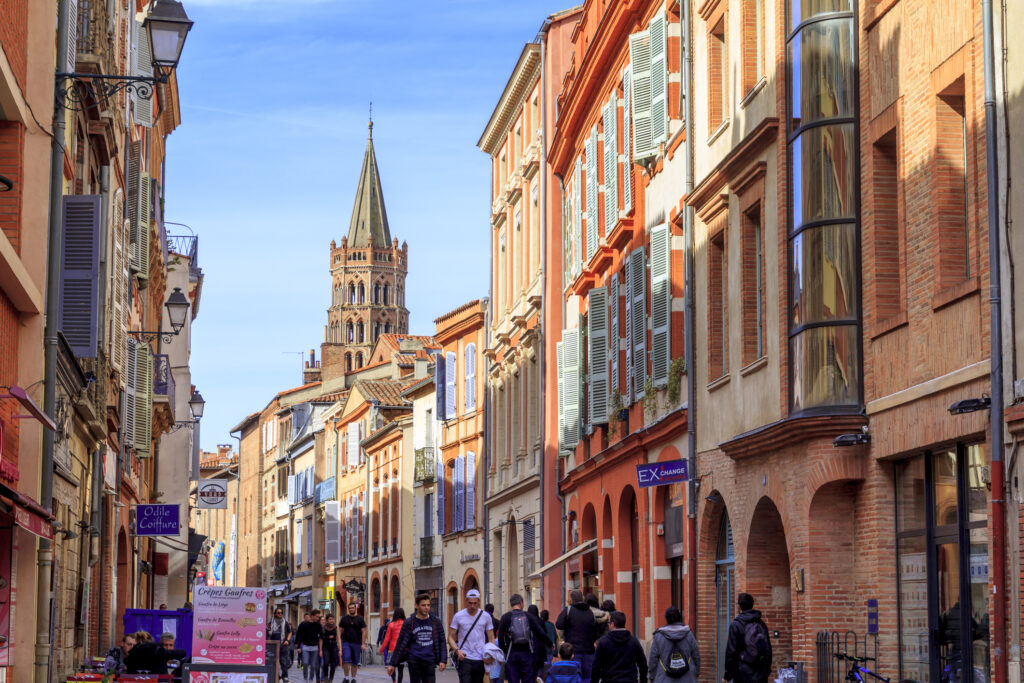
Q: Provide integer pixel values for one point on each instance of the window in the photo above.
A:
(360, 332)
(753, 43)
(351, 293)
(348, 362)
(386, 295)
(718, 75)
(376, 294)
(428, 515)
(752, 245)
(949, 195)
(362, 293)
(309, 540)
(887, 230)
(349, 333)
(375, 595)
(718, 306)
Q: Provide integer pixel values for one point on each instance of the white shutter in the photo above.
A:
(71, 48)
(332, 532)
(659, 81)
(661, 304)
(613, 331)
(352, 449)
(640, 64)
(440, 495)
(470, 490)
(559, 354)
(450, 383)
(298, 542)
(627, 271)
(571, 384)
(638, 333)
(143, 67)
(291, 489)
(470, 363)
(593, 230)
(131, 379)
(611, 169)
(140, 248)
(577, 218)
(361, 517)
(597, 341)
(627, 154)
(118, 277)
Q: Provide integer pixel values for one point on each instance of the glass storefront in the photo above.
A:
(824, 234)
(942, 546)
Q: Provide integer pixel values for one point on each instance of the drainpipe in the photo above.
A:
(543, 275)
(688, 330)
(488, 432)
(44, 561)
(996, 356)
(558, 492)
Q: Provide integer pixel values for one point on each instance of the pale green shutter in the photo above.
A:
(627, 270)
(597, 343)
(140, 249)
(571, 383)
(577, 218)
(613, 331)
(640, 58)
(143, 68)
(611, 171)
(627, 153)
(593, 230)
(661, 304)
(143, 401)
(131, 380)
(638, 334)
(659, 81)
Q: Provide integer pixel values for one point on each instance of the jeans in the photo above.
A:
(420, 672)
(330, 664)
(310, 663)
(520, 667)
(351, 653)
(471, 671)
(586, 666)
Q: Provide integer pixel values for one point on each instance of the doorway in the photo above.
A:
(725, 589)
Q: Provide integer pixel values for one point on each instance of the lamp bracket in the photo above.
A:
(146, 337)
(102, 87)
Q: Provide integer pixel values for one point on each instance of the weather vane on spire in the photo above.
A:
(371, 117)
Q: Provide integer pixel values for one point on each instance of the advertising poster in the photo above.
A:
(225, 677)
(228, 625)
(6, 551)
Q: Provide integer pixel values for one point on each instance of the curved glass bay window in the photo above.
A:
(824, 232)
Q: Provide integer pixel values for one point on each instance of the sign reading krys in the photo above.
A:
(213, 494)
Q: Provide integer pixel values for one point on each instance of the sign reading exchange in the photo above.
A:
(212, 494)
(156, 520)
(661, 473)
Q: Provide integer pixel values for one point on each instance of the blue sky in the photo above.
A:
(275, 97)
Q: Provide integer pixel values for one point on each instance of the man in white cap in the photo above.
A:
(467, 635)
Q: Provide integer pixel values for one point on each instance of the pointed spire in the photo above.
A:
(369, 217)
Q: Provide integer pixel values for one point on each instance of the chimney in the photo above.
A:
(420, 365)
(311, 371)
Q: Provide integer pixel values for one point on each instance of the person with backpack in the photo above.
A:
(522, 637)
(674, 654)
(576, 622)
(600, 616)
(748, 653)
(619, 657)
(566, 669)
(420, 644)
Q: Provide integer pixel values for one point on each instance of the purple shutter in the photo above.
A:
(439, 385)
(458, 497)
(440, 495)
(80, 269)
(470, 490)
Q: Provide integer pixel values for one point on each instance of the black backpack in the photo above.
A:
(756, 648)
(519, 629)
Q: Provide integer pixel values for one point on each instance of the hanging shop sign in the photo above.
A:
(157, 520)
(212, 494)
(229, 625)
(661, 473)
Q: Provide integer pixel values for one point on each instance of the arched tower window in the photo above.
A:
(361, 332)
(348, 362)
(351, 293)
(387, 328)
(387, 294)
(348, 332)
(362, 293)
(376, 331)
(359, 360)
(376, 294)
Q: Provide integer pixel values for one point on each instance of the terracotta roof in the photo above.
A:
(299, 388)
(394, 339)
(333, 397)
(387, 391)
(464, 307)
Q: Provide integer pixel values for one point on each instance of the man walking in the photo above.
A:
(619, 657)
(522, 637)
(748, 653)
(470, 630)
(576, 622)
(307, 635)
(353, 642)
(421, 644)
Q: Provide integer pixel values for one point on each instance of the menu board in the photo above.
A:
(229, 625)
(226, 677)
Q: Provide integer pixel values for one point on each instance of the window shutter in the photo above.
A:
(470, 490)
(439, 386)
(131, 379)
(661, 303)
(361, 515)
(449, 388)
(332, 532)
(659, 81)
(571, 383)
(611, 169)
(613, 331)
(291, 489)
(309, 540)
(470, 362)
(352, 452)
(143, 401)
(577, 218)
(638, 333)
(459, 494)
(627, 156)
(640, 64)
(71, 48)
(80, 270)
(117, 320)
(298, 542)
(559, 354)
(597, 338)
(140, 226)
(593, 230)
(529, 536)
(143, 67)
(628, 281)
(440, 496)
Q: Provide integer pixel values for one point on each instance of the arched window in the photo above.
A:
(725, 580)
(376, 294)
(360, 332)
(387, 294)
(351, 293)
(348, 332)
(376, 331)
(387, 328)
(359, 360)
(362, 293)
(395, 599)
(348, 362)
(375, 596)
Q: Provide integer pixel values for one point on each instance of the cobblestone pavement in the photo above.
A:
(376, 674)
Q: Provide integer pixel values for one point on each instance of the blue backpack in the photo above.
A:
(566, 671)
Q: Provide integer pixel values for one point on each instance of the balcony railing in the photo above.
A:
(163, 379)
(426, 465)
(326, 490)
(281, 573)
(426, 557)
(187, 246)
(94, 40)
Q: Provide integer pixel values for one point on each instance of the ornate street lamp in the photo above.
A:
(177, 310)
(167, 26)
(196, 404)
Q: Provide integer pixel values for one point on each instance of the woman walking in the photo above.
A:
(387, 646)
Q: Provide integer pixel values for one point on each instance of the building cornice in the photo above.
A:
(524, 75)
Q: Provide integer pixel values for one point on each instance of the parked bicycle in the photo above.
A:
(857, 672)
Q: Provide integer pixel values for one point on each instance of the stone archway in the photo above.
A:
(124, 575)
(767, 577)
(628, 560)
(512, 558)
(588, 531)
(607, 550)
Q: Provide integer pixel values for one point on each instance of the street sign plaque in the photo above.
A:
(662, 473)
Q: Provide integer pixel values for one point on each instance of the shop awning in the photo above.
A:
(584, 547)
(305, 596)
(28, 514)
(278, 589)
(291, 597)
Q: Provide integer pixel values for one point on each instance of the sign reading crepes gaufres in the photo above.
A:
(212, 494)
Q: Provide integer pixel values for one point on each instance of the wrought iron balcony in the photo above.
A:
(95, 42)
(426, 465)
(326, 490)
(188, 247)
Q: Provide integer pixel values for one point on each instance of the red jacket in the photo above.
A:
(391, 636)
